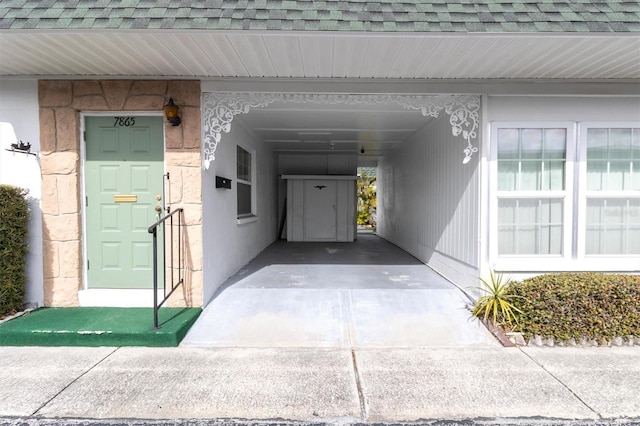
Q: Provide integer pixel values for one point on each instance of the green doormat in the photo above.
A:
(98, 327)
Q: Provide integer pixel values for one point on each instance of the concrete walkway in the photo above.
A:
(339, 386)
(366, 337)
(366, 294)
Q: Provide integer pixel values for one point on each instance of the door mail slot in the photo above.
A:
(125, 198)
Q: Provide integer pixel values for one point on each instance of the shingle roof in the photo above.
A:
(326, 15)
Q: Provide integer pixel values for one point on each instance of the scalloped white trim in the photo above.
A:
(219, 109)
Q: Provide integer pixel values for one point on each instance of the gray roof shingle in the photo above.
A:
(326, 15)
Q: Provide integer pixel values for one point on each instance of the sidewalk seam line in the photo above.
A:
(74, 381)
(561, 382)
(363, 405)
(348, 316)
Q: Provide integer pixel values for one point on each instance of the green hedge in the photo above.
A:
(14, 219)
(577, 305)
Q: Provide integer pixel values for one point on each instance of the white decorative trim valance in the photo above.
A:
(219, 108)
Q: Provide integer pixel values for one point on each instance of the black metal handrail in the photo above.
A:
(153, 229)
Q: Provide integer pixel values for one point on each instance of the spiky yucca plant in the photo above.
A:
(496, 302)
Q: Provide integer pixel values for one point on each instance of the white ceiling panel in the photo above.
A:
(325, 55)
(286, 55)
(254, 55)
(316, 55)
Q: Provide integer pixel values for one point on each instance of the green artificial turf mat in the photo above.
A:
(98, 327)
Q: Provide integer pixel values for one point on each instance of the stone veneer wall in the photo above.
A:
(61, 103)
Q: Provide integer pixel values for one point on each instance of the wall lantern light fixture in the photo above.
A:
(171, 111)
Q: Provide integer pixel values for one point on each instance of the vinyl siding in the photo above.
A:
(429, 202)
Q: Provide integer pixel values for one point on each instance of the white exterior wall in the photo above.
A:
(545, 109)
(428, 202)
(228, 245)
(549, 108)
(19, 120)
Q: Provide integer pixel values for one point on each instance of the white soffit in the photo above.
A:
(208, 54)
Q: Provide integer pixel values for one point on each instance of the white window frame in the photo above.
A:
(252, 217)
(599, 262)
(539, 262)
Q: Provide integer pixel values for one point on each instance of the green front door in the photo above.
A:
(123, 176)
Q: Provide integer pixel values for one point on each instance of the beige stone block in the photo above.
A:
(116, 92)
(60, 163)
(190, 293)
(47, 130)
(70, 253)
(179, 298)
(50, 259)
(54, 93)
(194, 288)
(49, 198)
(90, 103)
(68, 193)
(184, 158)
(185, 92)
(144, 103)
(149, 87)
(61, 228)
(61, 292)
(67, 129)
(86, 88)
(193, 247)
(175, 185)
(192, 185)
(172, 136)
(191, 134)
(192, 214)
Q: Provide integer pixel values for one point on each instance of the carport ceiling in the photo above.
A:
(334, 129)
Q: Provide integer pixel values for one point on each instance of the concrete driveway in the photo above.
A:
(366, 294)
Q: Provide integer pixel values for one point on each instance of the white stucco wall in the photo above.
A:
(19, 120)
(227, 244)
(428, 202)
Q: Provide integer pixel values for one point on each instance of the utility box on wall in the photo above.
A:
(321, 208)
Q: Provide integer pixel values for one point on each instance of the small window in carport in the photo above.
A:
(244, 182)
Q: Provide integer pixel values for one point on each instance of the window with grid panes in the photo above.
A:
(612, 190)
(531, 185)
(244, 182)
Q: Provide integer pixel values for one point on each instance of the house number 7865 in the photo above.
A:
(124, 121)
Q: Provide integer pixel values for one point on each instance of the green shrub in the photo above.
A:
(576, 305)
(14, 219)
(366, 193)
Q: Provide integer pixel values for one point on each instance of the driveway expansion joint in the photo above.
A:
(561, 383)
(363, 405)
(35, 413)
